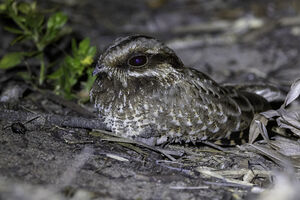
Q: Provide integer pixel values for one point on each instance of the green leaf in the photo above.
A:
(57, 74)
(24, 75)
(11, 60)
(74, 46)
(73, 67)
(21, 19)
(24, 7)
(33, 6)
(14, 8)
(19, 39)
(35, 20)
(3, 7)
(55, 28)
(72, 63)
(56, 21)
(13, 30)
(72, 81)
(86, 52)
(84, 46)
(92, 51)
(87, 60)
(31, 53)
(90, 81)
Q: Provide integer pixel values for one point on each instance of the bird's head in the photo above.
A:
(136, 57)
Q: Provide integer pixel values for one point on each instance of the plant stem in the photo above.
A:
(19, 23)
(42, 69)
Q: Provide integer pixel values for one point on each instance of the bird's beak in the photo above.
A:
(97, 69)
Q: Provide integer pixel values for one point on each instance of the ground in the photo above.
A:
(232, 41)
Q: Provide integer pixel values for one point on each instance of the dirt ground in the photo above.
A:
(232, 41)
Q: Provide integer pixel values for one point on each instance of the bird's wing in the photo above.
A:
(221, 110)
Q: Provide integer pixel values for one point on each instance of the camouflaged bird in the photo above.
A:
(143, 91)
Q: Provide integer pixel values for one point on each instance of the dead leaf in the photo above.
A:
(257, 127)
(293, 93)
(290, 120)
(274, 155)
(286, 146)
(270, 113)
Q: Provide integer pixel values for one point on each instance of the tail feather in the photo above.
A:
(249, 103)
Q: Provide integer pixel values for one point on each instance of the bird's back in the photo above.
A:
(196, 108)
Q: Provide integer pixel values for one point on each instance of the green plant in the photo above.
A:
(73, 67)
(33, 27)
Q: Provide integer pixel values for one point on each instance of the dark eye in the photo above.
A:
(138, 61)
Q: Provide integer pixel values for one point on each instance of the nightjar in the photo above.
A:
(143, 91)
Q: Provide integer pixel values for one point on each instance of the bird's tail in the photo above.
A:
(250, 103)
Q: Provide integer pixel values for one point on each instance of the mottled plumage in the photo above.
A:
(143, 91)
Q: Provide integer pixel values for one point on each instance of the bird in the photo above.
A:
(144, 92)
